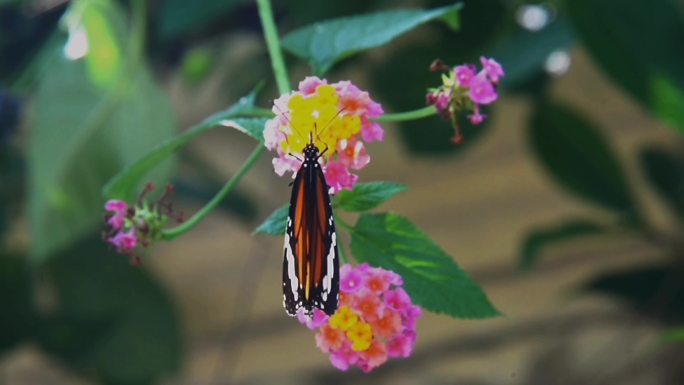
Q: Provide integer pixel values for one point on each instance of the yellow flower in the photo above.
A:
(318, 117)
(343, 319)
(360, 336)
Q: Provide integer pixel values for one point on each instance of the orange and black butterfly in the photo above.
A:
(310, 263)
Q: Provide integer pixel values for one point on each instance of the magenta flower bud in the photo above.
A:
(492, 68)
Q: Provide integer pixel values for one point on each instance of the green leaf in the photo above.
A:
(13, 182)
(104, 60)
(524, 53)
(110, 316)
(652, 291)
(275, 223)
(666, 173)
(538, 240)
(81, 135)
(178, 18)
(431, 277)
(639, 47)
(325, 43)
(16, 297)
(124, 184)
(578, 157)
(366, 196)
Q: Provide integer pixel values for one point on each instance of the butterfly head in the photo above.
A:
(311, 151)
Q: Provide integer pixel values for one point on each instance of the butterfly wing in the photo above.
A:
(310, 262)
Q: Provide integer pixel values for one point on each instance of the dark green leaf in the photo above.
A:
(639, 46)
(125, 183)
(538, 240)
(178, 18)
(82, 133)
(366, 196)
(322, 44)
(653, 291)
(431, 277)
(666, 173)
(16, 297)
(12, 180)
(111, 316)
(275, 223)
(579, 158)
(524, 54)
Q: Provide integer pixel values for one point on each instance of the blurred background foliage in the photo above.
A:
(70, 120)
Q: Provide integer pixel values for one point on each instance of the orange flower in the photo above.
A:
(388, 325)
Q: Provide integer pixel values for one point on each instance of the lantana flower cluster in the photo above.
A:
(131, 227)
(464, 89)
(375, 321)
(337, 117)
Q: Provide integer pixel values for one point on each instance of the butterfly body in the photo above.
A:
(310, 261)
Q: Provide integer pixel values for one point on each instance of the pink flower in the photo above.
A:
(372, 132)
(309, 84)
(365, 331)
(411, 315)
(388, 325)
(350, 280)
(338, 117)
(329, 339)
(401, 345)
(492, 68)
(124, 241)
(375, 356)
(272, 135)
(286, 163)
(370, 307)
(464, 75)
(352, 153)
(481, 90)
(338, 177)
(318, 319)
(128, 227)
(116, 206)
(343, 358)
(476, 118)
(464, 90)
(391, 277)
(377, 283)
(397, 300)
(119, 210)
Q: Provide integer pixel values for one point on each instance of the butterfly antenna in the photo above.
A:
(288, 121)
(328, 124)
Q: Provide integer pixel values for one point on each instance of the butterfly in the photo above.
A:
(311, 267)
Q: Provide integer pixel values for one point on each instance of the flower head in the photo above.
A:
(375, 321)
(463, 89)
(129, 227)
(336, 117)
(492, 68)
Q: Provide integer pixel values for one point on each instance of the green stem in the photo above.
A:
(172, 233)
(273, 45)
(408, 115)
(138, 32)
(280, 73)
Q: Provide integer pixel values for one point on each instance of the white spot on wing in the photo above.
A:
(291, 275)
(327, 280)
